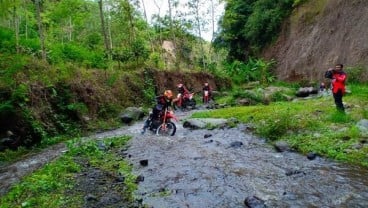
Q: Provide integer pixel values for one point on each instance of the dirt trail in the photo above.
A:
(13, 173)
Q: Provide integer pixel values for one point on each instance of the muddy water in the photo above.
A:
(188, 170)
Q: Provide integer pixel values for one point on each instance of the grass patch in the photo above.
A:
(48, 186)
(309, 125)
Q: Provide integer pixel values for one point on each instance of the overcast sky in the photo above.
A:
(152, 9)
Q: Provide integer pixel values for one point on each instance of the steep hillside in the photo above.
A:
(319, 34)
(85, 100)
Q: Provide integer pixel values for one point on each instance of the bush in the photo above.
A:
(30, 46)
(73, 52)
(7, 43)
(357, 74)
(253, 70)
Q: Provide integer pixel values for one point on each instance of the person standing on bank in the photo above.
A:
(338, 77)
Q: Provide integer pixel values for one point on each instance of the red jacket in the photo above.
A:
(338, 81)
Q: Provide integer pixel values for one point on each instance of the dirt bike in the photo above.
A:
(185, 101)
(162, 125)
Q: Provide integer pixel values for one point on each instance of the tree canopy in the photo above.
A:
(249, 25)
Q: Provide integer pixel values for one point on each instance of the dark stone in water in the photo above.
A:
(143, 162)
(254, 202)
(236, 144)
(120, 179)
(209, 141)
(126, 119)
(207, 135)
(139, 178)
(293, 172)
(90, 197)
(311, 156)
(189, 125)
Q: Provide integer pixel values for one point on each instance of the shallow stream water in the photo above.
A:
(189, 170)
(221, 168)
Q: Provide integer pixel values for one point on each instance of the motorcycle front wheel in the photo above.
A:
(166, 129)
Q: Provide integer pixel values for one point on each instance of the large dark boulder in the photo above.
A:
(131, 114)
(306, 91)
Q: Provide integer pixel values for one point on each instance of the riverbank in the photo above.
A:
(310, 125)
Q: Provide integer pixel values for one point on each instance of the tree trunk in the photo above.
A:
(160, 32)
(213, 31)
(40, 29)
(200, 32)
(103, 29)
(16, 28)
(145, 16)
(70, 29)
(172, 33)
(26, 20)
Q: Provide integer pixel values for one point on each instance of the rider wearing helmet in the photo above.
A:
(181, 89)
(163, 102)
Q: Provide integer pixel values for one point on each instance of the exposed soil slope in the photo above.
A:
(319, 34)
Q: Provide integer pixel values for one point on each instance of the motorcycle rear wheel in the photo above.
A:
(166, 129)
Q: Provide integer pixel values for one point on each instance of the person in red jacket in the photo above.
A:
(338, 77)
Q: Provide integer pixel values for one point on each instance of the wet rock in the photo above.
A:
(139, 178)
(306, 91)
(109, 199)
(282, 146)
(120, 179)
(131, 114)
(209, 141)
(311, 155)
(233, 120)
(363, 126)
(143, 163)
(90, 197)
(101, 146)
(222, 106)
(207, 135)
(126, 118)
(289, 196)
(293, 172)
(9, 142)
(236, 144)
(244, 102)
(190, 125)
(357, 146)
(254, 202)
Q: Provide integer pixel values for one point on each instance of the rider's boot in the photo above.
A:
(146, 124)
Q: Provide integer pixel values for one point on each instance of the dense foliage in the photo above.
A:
(72, 65)
(249, 25)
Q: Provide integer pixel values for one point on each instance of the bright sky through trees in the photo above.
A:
(152, 9)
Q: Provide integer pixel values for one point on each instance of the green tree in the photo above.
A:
(249, 25)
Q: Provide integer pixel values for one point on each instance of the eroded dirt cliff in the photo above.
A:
(319, 34)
